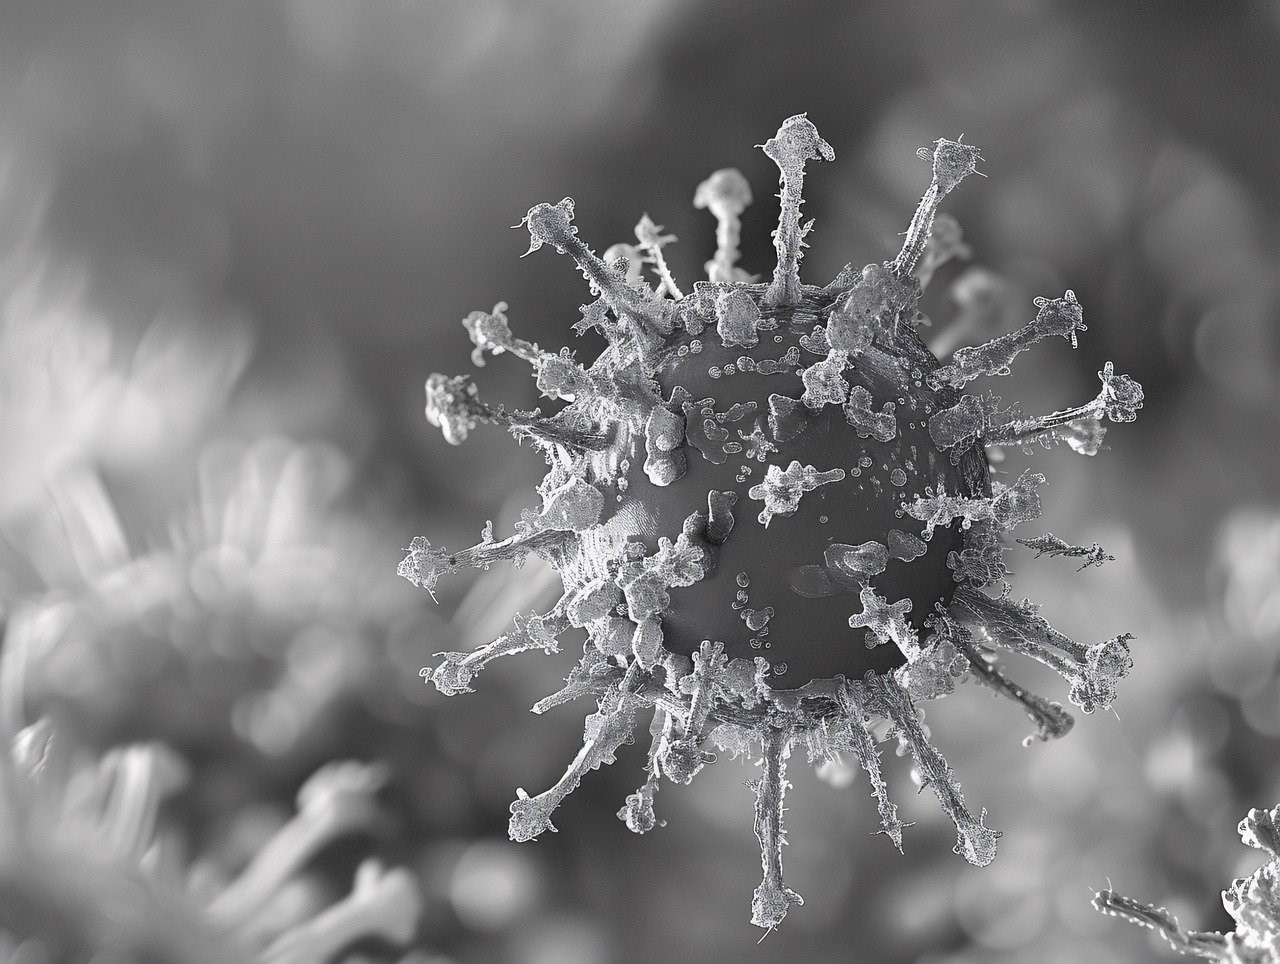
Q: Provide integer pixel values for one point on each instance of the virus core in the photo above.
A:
(772, 511)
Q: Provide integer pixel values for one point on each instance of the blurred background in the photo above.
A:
(237, 236)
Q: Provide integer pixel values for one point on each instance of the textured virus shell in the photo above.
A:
(771, 509)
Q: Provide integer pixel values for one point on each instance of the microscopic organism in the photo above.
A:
(772, 510)
(1252, 901)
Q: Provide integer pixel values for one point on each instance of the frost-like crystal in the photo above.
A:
(771, 510)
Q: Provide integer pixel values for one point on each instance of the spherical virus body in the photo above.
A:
(772, 512)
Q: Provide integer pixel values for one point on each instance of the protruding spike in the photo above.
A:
(638, 813)
(1057, 316)
(773, 897)
(863, 744)
(558, 375)
(490, 331)
(952, 163)
(136, 779)
(1209, 945)
(682, 755)
(648, 316)
(596, 315)
(975, 842)
(652, 241)
(590, 675)
(425, 564)
(1250, 900)
(726, 194)
(1050, 545)
(781, 489)
(1092, 671)
(946, 242)
(551, 431)
(606, 730)
(383, 905)
(1118, 401)
(796, 143)
(453, 676)
(335, 800)
(1052, 722)
(453, 404)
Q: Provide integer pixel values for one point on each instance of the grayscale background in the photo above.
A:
(236, 236)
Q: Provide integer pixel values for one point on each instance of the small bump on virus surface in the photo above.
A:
(743, 449)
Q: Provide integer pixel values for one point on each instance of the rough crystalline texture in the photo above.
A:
(1252, 901)
(772, 512)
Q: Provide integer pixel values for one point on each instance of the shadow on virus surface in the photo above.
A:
(771, 509)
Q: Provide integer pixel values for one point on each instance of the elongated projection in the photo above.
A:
(772, 511)
(1252, 901)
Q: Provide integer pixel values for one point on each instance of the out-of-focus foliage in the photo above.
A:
(234, 235)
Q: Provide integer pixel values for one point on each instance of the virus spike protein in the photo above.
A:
(772, 511)
(1252, 901)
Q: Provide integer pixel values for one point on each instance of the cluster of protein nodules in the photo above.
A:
(772, 511)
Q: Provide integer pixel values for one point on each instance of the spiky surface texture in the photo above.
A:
(771, 509)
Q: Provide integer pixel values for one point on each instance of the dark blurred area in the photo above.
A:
(237, 236)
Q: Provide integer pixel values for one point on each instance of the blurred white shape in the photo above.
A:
(1008, 906)
(835, 773)
(492, 885)
(1172, 762)
(1248, 554)
(560, 940)
(481, 56)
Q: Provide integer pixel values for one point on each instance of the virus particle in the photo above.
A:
(1253, 901)
(772, 511)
